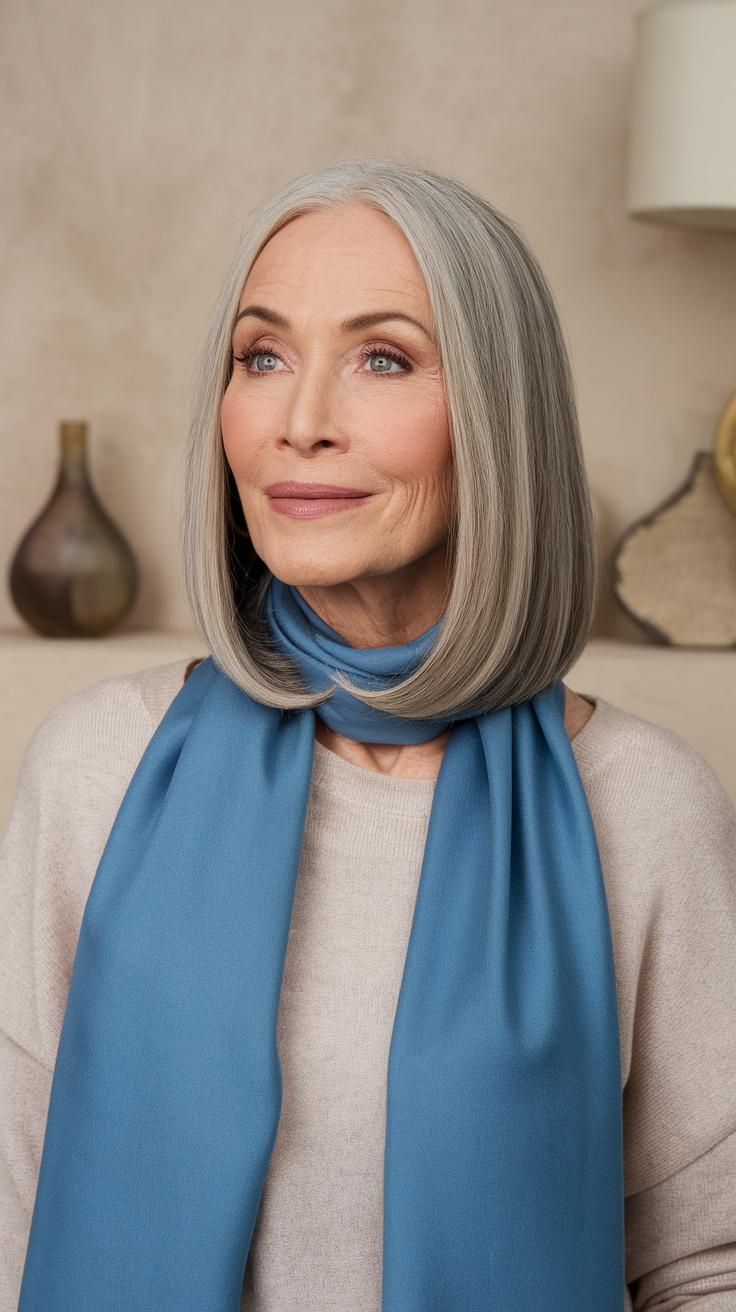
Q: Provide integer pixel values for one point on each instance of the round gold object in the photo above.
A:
(724, 452)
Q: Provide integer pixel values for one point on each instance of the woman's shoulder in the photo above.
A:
(635, 768)
(666, 832)
(111, 720)
(79, 762)
(74, 775)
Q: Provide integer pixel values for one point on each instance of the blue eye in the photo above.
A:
(264, 362)
(380, 363)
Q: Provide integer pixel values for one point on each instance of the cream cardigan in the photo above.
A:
(667, 837)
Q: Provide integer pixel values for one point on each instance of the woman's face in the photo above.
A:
(334, 421)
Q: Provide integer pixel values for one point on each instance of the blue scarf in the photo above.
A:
(503, 1163)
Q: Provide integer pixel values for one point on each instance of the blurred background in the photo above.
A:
(138, 138)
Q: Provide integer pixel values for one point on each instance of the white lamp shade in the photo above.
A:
(683, 143)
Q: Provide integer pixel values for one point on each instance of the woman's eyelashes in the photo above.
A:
(384, 360)
(375, 359)
(259, 361)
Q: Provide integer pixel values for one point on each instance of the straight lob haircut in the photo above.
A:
(523, 551)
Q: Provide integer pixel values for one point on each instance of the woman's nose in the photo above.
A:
(311, 422)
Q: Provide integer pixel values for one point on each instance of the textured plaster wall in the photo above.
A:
(136, 138)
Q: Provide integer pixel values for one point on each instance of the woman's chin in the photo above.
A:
(341, 565)
(326, 577)
(327, 567)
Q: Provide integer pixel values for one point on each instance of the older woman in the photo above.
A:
(292, 1073)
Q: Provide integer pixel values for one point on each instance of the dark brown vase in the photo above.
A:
(73, 575)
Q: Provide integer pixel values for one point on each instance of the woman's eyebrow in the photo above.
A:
(362, 321)
(268, 316)
(355, 325)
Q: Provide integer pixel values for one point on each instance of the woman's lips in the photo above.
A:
(313, 500)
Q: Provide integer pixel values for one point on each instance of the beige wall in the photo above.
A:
(138, 136)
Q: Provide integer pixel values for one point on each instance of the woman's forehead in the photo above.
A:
(354, 253)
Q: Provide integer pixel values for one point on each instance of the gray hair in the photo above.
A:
(523, 550)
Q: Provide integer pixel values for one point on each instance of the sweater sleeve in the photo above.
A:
(667, 839)
(73, 778)
(25, 1086)
(681, 1237)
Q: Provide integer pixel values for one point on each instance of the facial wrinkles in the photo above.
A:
(308, 279)
(423, 501)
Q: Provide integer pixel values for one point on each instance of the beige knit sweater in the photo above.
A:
(667, 838)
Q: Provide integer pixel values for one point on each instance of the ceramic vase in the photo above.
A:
(73, 575)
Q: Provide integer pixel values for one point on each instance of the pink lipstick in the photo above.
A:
(313, 500)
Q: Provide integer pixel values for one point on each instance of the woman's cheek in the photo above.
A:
(416, 449)
(228, 413)
(238, 434)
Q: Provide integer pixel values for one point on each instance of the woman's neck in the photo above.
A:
(389, 610)
(386, 610)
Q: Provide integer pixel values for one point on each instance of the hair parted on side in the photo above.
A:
(524, 555)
